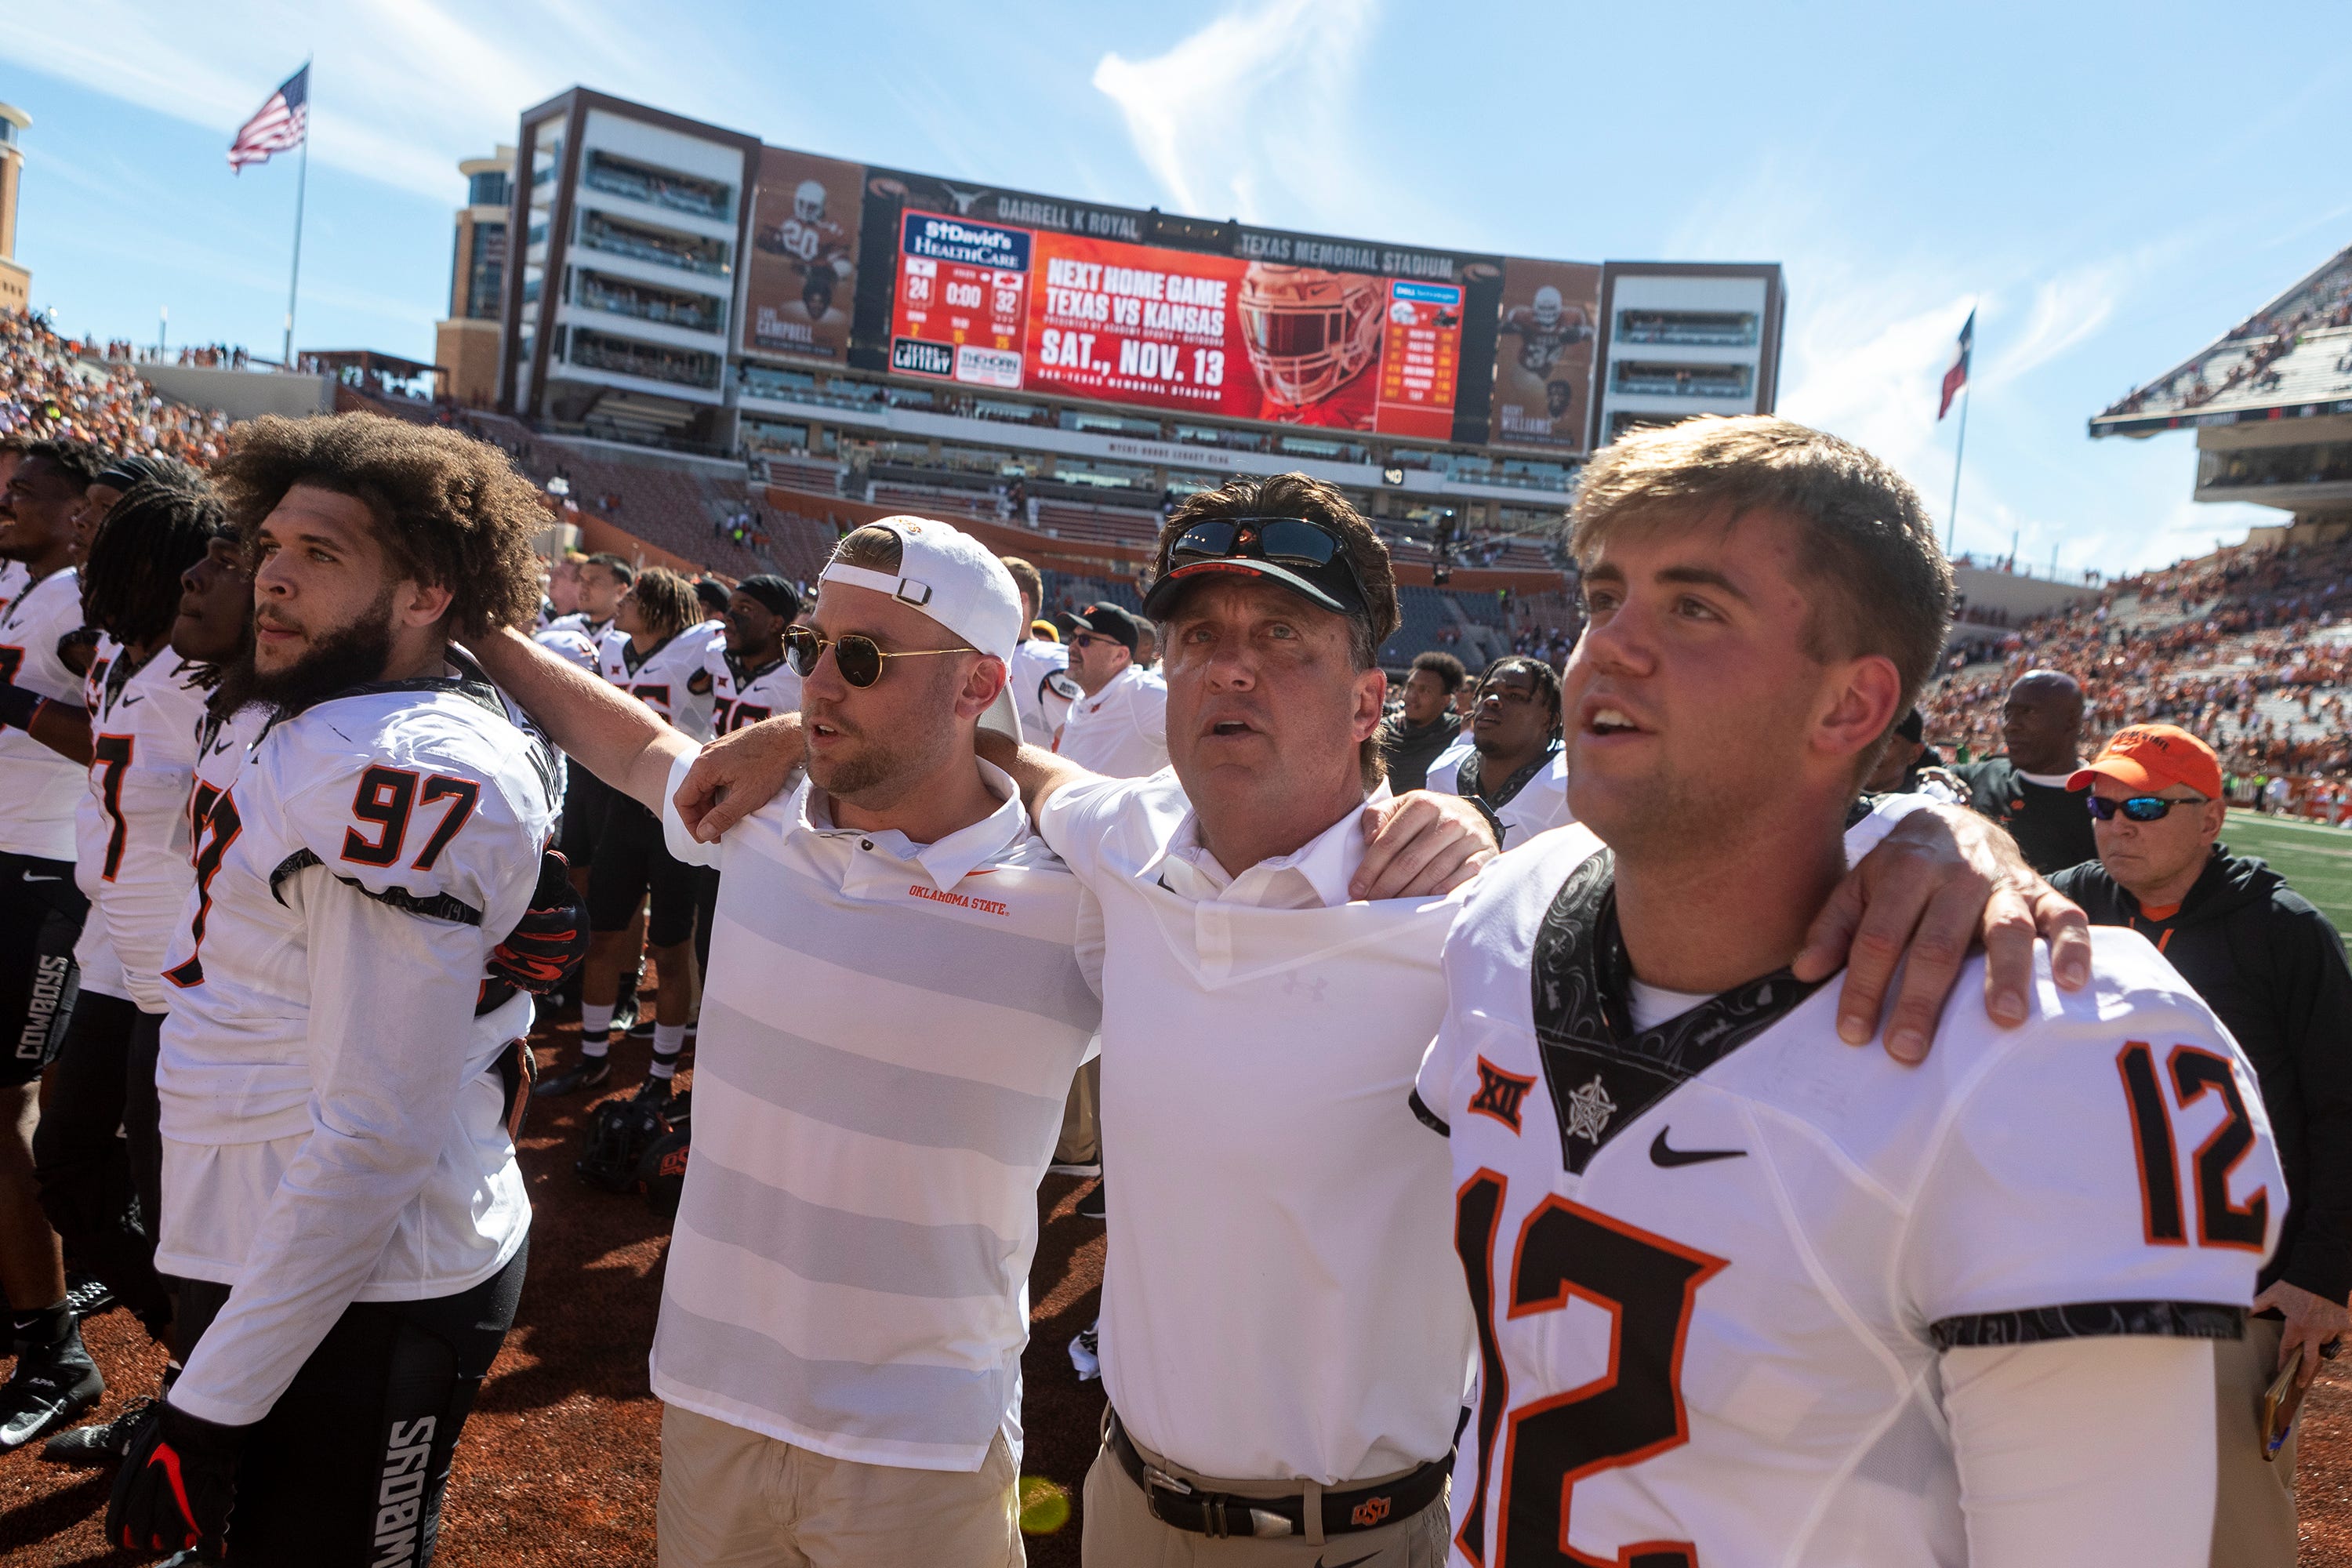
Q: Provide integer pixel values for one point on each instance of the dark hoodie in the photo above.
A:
(2272, 969)
(1411, 748)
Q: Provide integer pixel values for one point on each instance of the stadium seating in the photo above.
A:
(56, 386)
(2251, 649)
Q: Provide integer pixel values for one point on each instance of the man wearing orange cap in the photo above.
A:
(2274, 969)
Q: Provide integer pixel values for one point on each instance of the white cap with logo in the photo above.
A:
(956, 580)
(950, 576)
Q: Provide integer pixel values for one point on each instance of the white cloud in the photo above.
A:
(1250, 116)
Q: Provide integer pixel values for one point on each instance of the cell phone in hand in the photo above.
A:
(2279, 1402)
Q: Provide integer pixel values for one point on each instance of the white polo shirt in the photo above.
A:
(1121, 731)
(888, 1034)
(1281, 1298)
(1541, 806)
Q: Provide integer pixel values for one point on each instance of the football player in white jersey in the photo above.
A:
(137, 736)
(341, 1203)
(1743, 1296)
(1515, 766)
(13, 577)
(1039, 681)
(658, 658)
(599, 581)
(41, 916)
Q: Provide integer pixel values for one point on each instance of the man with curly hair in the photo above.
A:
(340, 1199)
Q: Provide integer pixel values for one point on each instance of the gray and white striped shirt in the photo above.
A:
(888, 1034)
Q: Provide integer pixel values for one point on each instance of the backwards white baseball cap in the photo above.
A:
(950, 576)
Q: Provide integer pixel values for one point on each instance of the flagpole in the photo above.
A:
(1952, 517)
(301, 189)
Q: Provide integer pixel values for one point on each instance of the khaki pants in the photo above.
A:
(2254, 1511)
(1122, 1533)
(1081, 1140)
(733, 1498)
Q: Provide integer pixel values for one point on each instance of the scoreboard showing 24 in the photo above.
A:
(962, 301)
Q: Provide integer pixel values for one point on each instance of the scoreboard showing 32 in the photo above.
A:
(962, 301)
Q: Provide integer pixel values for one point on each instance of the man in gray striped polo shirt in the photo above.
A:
(894, 1008)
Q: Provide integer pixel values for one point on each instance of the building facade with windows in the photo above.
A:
(466, 345)
(618, 304)
(15, 280)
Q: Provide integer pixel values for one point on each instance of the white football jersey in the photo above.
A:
(14, 575)
(578, 621)
(1715, 1262)
(1540, 805)
(741, 697)
(569, 644)
(39, 790)
(132, 827)
(669, 677)
(222, 746)
(433, 796)
(1042, 690)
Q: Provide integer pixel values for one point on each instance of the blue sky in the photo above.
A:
(2110, 186)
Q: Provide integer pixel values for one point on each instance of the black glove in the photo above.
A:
(18, 705)
(176, 1484)
(541, 953)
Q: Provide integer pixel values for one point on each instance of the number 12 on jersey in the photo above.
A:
(2194, 1072)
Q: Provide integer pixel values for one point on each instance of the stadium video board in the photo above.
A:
(994, 289)
(991, 290)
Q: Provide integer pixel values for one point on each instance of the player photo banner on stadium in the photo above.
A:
(1543, 353)
(801, 269)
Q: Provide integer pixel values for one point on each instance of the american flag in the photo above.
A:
(277, 126)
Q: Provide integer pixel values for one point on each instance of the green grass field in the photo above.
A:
(2316, 861)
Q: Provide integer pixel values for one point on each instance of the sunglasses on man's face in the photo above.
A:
(857, 657)
(2138, 808)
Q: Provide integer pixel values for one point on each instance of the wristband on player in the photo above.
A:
(18, 705)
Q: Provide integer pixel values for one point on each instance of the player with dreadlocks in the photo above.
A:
(96, 1154)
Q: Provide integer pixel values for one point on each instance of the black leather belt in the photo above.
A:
(1187, 1507)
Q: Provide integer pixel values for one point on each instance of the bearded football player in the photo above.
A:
(1743, 1296)
(340, 1199)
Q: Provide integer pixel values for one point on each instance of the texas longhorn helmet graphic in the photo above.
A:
(1310, 331)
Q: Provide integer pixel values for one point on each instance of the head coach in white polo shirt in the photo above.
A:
(1285, 1347)
(1120, 728)
(895, 1006)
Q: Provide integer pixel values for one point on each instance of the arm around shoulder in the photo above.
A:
(607, 731)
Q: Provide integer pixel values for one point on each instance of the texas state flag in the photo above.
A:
(1957, 376)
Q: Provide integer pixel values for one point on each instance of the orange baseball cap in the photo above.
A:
(2152, 756)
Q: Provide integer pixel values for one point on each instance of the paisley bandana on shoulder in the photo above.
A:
(1601, 1072)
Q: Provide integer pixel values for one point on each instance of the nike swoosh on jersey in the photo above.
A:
(1350, 1563)
(1660, 1154)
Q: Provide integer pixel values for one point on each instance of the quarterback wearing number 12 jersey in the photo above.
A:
(1717, 1260)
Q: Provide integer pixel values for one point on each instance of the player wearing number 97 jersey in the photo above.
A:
(341, 1198)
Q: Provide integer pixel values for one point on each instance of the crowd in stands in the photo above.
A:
(48, 390)
(2249, 648)
(2259, 342)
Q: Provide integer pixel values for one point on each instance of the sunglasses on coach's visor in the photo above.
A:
(2138, 808)
(1285, 540)
(857, 657)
